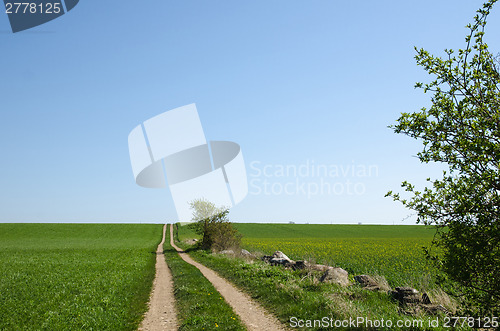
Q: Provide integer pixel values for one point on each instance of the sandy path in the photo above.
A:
(162, 313)
(252, 314)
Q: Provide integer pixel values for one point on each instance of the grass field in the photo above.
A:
(392, 251)
(75, 276)
(99, 276)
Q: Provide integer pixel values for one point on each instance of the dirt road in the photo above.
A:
(162, 314)
(251, 313)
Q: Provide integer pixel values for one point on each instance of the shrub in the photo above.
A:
(212, 224)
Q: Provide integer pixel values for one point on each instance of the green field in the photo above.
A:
(392, 251)
(75, 276)
(99, 276)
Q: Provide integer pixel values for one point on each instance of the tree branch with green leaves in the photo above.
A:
(462, 130)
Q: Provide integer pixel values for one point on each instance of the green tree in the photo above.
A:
(212, 223)
(462, 130)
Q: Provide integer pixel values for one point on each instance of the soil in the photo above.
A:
(162, 314)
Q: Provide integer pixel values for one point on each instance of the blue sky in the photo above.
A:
(295, 83)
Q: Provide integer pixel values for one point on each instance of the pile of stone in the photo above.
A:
(406, 295)
(411, 298)
(330, 274)
(408, 298)
(278, 258)
(242, 253)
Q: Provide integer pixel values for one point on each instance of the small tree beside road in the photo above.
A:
(212, 223)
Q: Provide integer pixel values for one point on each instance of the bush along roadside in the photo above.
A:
(201, 307)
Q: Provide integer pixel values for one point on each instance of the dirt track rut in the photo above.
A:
(162, 314)
(251, 313)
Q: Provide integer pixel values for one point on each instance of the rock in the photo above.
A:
(227, 252)
(406, 295)
(278, 258)
(365, 280)
(336, 275)
(406, 290)
(266, 258)
(412, 299)
(280, 255)
(300, 265)
(281, 261)
(319, 267)
(246, 253)
(371, 284)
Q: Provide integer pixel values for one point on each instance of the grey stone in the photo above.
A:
(406, 295)
(246, 253)
(369, 283)
(280, 255)
(281, 261)
(336, 275)
(406, 290)
(266, 258)
(319, 267)
(300, 265)
(365, 280)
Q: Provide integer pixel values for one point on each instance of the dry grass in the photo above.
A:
(439, 297)
(382, 283)
(343, 304)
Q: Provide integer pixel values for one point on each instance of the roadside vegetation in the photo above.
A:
(392, 251)
(461, 130)
(201, 307)
(386, 252)
(212, 224)
(76, 276)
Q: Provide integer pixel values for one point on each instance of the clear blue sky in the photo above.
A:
(293, 82)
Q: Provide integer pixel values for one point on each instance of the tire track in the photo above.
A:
(162, 314)
(251, 313)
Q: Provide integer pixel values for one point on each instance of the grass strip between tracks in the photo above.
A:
(199, 304)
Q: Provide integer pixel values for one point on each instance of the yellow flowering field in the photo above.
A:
(395, 252)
